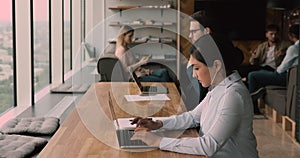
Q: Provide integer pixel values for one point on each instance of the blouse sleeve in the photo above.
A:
(288, 60)
(186, 120)
(129, 62)
(224, 127)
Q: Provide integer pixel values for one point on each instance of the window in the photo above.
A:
(6, 56)
(41, 43)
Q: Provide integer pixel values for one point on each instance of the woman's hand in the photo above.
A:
(146, 123)
(144, 60)
(150, 138)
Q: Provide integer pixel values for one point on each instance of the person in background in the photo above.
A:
(225, 115)
(129, 62)
(196, 92)
(268, 55)
(259, 79)
(200, 25)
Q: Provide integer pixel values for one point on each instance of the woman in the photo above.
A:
(128, 59)
(224, 116)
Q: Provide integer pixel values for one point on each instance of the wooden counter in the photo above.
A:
(89, 132)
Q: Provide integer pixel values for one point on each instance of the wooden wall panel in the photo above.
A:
(186, 7)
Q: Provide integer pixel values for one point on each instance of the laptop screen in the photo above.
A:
(124, 135)
(112, 111)
(136, 80)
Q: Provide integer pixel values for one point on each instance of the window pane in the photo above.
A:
(6, 56)
(41, 44)
(67, 36)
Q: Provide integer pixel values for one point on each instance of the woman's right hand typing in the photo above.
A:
(148, 123)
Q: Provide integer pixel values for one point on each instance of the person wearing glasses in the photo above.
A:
(191, 86)
(201, 25)
(225, 116)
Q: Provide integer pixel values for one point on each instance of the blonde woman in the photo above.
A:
(129, 62)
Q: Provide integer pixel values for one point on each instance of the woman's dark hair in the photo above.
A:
(209, 48)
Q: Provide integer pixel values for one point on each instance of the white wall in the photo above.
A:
(56, 39)
(23, 55)
(76, 34)
(94, 24)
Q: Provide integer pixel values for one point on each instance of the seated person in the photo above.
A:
(268, 55)
(128, 59)
(201, 25)
(225, 116)
(262, 78)
(195, 92)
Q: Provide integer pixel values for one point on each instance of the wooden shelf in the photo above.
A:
(121, 24)
(136, 7)
(136, 43)
(123, 7)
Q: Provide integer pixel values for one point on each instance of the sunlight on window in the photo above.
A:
(67, 36)
(6, 56)
(41, 44)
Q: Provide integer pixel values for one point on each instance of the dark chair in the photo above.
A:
(291, 93)
(110, 69)
(283, 99)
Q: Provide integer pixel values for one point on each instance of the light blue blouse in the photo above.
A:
(290, 59)
(225, 117)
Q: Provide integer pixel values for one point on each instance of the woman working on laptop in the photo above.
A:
(128, 59)
(224, 116)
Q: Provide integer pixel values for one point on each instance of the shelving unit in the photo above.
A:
(150, 40)
(149, 18)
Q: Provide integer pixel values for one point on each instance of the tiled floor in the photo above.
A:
(273, 142)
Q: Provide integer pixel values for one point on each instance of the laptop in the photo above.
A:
(124, 134)
(149, 89)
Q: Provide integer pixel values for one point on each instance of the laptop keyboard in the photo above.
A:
(124, 137)
(150, 89)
